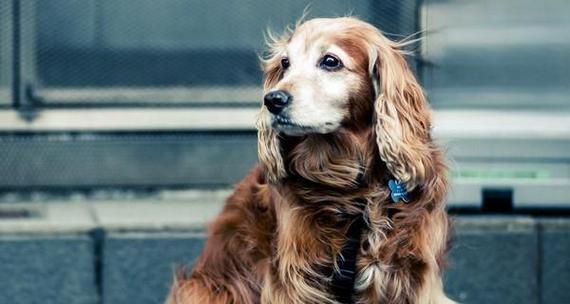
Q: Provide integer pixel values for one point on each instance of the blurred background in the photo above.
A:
(125, 123)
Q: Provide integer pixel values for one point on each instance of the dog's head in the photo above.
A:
(339, 74)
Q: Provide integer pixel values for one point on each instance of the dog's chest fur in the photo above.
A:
(307, 247)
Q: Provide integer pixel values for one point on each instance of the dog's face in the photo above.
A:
(342, 76)
(319, 70)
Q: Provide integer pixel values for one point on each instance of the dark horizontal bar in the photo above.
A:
(166, 159)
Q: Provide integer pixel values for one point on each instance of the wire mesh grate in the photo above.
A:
(171, 44)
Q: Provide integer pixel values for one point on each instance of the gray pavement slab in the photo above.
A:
(144, 242)
(139, 267)
(494, 260)
(46, 254)
(555, 261)
(47, 269)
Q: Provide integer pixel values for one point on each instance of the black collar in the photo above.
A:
(342, 285)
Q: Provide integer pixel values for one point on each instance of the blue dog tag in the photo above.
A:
(398, 191)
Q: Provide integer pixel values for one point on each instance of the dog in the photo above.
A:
(347, 204)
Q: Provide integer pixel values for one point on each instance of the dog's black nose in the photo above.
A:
(276, 101)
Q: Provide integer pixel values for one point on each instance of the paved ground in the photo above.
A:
(125, 252)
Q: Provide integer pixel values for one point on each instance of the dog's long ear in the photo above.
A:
(268, 143)
(403, 117)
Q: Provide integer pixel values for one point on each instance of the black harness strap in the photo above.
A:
(342, 285)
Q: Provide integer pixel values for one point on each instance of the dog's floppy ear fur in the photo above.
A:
(403, 117)
(268, 143)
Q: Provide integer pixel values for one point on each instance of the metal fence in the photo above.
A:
(74, 71)
(171, 52)
(96, 92)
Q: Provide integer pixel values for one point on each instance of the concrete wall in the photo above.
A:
(125, 252)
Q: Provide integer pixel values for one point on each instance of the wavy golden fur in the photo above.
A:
(287, 220)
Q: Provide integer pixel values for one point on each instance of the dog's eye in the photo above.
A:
(285, 63)
(330, 63)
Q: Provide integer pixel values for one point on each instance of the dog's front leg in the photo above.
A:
(234, 260)
(294, 275)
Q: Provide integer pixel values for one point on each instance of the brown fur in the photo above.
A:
(287, 219)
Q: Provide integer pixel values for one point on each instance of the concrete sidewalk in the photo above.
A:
(125, 252)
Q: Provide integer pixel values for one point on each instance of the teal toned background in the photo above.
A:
(125, 123)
